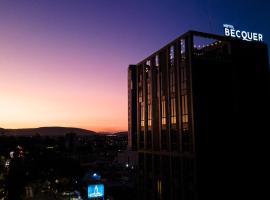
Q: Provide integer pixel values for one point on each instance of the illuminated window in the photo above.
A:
(140, 94)
(157, 60)
(140, 79)
(172, 55)
(163, 110)
(148, 90)
(149, 115)
(184, 106)
(183, 49)
(142, 115)
(173, 111)
(159, 188)
(148, 64)
(173, 101)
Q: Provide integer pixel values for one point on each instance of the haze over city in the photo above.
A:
(64, 63)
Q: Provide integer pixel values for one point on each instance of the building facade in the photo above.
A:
(198, 103)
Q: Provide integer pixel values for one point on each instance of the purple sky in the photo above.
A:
(64, 63)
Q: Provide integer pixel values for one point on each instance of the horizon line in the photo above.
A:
(97, 130)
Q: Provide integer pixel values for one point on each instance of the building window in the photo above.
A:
(184, 98)
(172, 94)
(159, 188)
(172, 55)
(183, 49)
(172, 82)
(183, 80)
(173, 111)
(140, 95)
(157, 60)
(149, 106)
(148, 62)
(148, 90)
(163, 111)
(142, 116)
(149, 115)
(140, 78)
(185, 116)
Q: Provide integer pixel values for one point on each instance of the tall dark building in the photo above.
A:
(202, 116)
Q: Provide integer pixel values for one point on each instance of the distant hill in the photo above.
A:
(121, 133)
(114, 133)
(46, 131)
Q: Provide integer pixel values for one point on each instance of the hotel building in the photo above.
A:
(198, 116)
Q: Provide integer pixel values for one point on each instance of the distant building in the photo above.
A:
(199, 116)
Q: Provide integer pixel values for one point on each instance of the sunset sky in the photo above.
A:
(64, 62)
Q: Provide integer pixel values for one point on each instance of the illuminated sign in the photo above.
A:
(230, 31)
(95, 191)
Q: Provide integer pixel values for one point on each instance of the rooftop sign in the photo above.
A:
(230, 31)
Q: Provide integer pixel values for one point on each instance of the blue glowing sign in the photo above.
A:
(95, 191)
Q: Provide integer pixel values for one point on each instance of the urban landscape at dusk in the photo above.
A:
(138, 100)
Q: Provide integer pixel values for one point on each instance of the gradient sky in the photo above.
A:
(64, 62)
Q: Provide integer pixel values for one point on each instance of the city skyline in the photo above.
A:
(65, 64)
